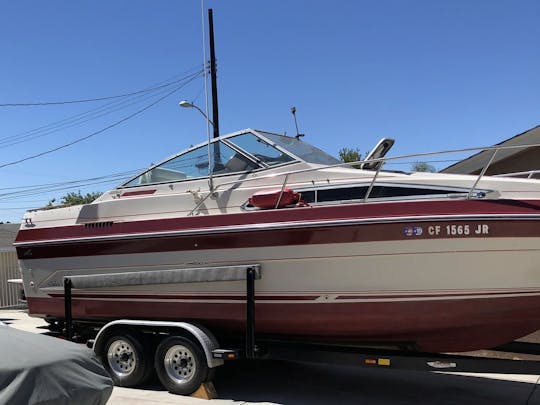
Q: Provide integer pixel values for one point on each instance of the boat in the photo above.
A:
(348, 254)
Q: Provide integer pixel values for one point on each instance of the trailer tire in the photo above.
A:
(126, 359)
(180, 365)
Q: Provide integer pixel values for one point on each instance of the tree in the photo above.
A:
(349, 155)
(422, 167)
(73, 198)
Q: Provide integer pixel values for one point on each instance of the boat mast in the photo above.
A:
(215, 113)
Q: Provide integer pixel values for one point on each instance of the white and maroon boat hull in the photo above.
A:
(417, 272)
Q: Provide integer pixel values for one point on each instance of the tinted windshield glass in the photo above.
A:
(301, 149)
(194, 164)
(260, 149)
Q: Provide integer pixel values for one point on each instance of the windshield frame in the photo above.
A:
(225, 140)
(332, 161)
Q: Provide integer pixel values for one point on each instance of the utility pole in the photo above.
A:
(215, 113)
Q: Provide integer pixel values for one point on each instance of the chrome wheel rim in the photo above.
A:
(121, 357)
(179, 364)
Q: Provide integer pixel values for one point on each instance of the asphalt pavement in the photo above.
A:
(292, 383)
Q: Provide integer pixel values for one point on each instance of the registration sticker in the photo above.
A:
(412, 231)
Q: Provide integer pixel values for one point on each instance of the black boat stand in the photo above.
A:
(67, 308)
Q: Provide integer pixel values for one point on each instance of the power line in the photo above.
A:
(41, 189)
(48, 190)
(84, 117)
(22, 201)
(93, 113)
(69, 123)
(15, 208)
(88, 100)
(62, 183)
(99, 131)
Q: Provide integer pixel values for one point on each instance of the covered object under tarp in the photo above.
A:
(39, 369)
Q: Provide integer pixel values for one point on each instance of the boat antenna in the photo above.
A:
(298, 134)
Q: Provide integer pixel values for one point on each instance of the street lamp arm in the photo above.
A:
(187, 104)
(203, 113)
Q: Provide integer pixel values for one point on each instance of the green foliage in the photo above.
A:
(73, 198)
(422, 167)
(349, 155)
(353, 155)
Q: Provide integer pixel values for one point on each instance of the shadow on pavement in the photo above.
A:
(300, 383)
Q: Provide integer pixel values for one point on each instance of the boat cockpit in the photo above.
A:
(248, 151)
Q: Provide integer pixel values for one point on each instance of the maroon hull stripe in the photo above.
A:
(435, 326)
(187, 297)
(290, 215)
(280, 237)
(120, 295)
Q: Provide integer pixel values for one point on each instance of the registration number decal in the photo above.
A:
(449, 230)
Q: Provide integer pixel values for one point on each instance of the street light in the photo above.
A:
(187, 104)
(217, 155)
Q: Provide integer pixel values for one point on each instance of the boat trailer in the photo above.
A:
(120, 343)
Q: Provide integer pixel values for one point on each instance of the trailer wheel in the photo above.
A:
(180, 365)
(126, 360)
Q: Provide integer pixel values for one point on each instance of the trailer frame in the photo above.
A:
(312, 352)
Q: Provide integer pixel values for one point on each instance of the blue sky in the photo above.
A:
(432, 74)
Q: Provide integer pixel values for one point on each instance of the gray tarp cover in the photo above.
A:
(39, 369)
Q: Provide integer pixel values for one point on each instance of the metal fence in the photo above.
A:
(9, 293)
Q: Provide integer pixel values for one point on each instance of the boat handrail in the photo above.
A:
(529, 174)
(372, 184)
(482, 172)
(288, 174)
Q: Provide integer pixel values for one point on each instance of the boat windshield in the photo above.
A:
(194, 164)
(260, 149)
(240, 153)
(303, 150)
